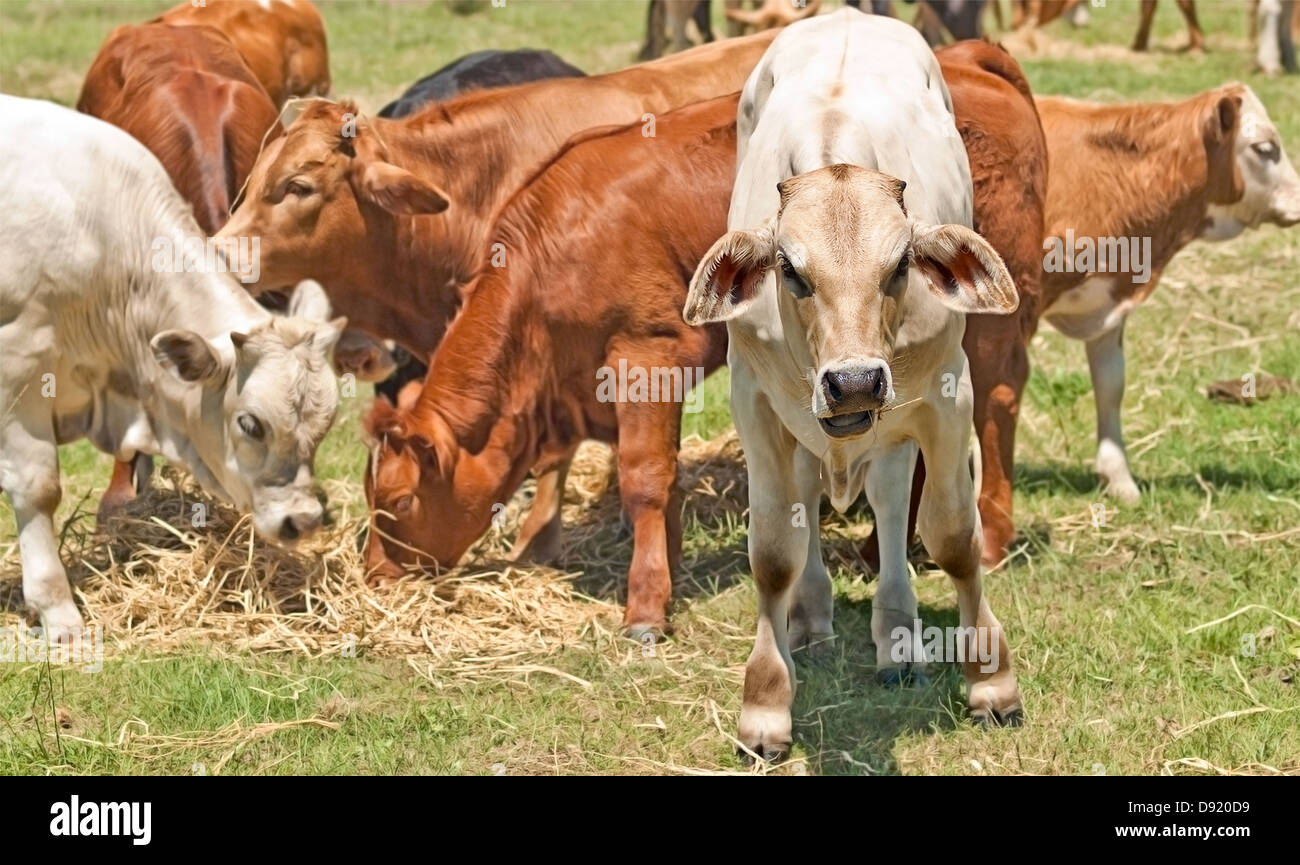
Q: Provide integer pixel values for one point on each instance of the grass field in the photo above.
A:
(1127, 658)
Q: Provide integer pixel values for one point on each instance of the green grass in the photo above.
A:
(1098, 618)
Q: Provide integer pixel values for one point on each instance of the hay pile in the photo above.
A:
(152, 580)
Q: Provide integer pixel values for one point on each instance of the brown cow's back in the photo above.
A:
(600, 248)
(186, 94)
(282, 42)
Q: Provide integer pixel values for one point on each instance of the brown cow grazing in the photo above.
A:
(282, 41)
(1004, 141)
(356, 211)
(186, 94)
(579, 335)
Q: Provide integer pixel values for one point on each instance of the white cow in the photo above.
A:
(100, 337)
(844, 282)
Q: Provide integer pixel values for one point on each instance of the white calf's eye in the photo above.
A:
(251, 427)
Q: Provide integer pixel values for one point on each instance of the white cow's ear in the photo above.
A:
(962, 269)
(727, 280)
(327, 335)
(310, 302)
(188, 356)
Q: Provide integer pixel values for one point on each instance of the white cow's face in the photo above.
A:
(1272, 187)
(265, 413)
(845, 253)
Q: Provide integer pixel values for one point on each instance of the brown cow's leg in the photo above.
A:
(1195, 36)
(999, 370)
(647, 478)
(655, 21)
(1144, 25)
(539, 537)
(129, 479)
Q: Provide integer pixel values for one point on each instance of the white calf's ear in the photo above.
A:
(187, 356)
(310, 302)
(962, 269)
(727, 280)
(327, 335)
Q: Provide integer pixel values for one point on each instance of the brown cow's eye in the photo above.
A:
(298, 188)
(403, 505)
(251, 427)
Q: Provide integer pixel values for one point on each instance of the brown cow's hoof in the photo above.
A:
(769, 754)
(767, 732)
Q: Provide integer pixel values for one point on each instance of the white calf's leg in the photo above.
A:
(812, 609)
(29, 473)
(777, 547)
(949, 524)
(1106, 363)
(893, 609)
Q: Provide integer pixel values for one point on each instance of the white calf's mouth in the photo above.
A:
(847, 424)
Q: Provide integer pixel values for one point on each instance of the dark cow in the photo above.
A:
(481, 70)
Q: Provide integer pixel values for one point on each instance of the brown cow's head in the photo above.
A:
(845, 255)
(322, 198)
(1266, 187)
(427, 505)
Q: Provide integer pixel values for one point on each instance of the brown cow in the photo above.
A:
(187, 95)
(1004, 141)
(549, 348)
(354, 211)
(1131, 185)
(282, 41)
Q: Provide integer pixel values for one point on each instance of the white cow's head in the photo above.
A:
(267, 402)
(1272, 187)
(845, 255)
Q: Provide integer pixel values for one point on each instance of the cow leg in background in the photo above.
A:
(539, 537)
(1106, 364)
(29, 472)
(812, 611)
(656, 20)
(950, 528)
(734, 28)
(871, 546)
(1148, 13)
(998, 385)
(679, 12)
(893, 609)
(704, 20)
(777, 547)
(1196, 39)
(648, 436)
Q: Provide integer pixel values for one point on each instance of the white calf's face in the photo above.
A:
(1272, 187)
(845, 254)
(276, 400)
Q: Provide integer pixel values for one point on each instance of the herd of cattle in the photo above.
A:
(853, 222)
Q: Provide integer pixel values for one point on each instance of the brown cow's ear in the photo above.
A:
(962, 269)
(396, 189)
(728, 278)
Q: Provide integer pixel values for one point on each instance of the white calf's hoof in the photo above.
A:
(766, 731)
(62, 621)
(1123, 490)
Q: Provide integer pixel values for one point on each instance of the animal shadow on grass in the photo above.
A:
(1082, 481)
(846, 721)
